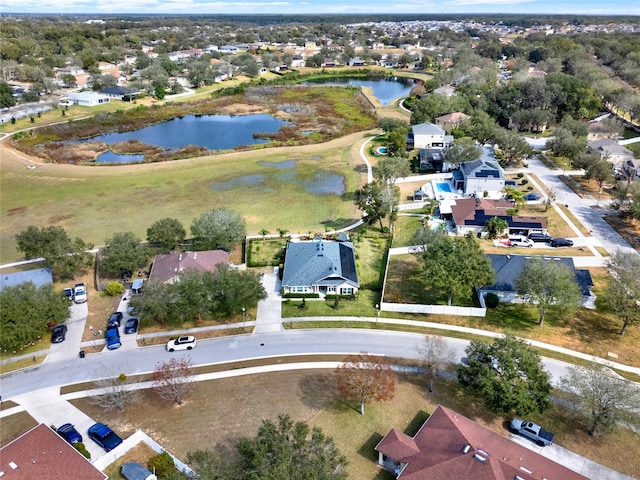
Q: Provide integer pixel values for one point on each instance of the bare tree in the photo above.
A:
(172, 380)
(116, 392)
(435, 354)
(623, 288)
(603, 396)
(365, 378)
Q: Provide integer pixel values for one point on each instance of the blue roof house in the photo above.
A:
(320, 267)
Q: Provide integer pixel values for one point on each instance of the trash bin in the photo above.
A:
(81, 353)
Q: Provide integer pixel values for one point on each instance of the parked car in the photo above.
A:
(79, 293)
(58, 334)
(114, 319)
(131, 325)
(540, 237)
(68, 293)
(181, 343)
(529, 197)
(532, 431)
(561, 242)
(104, 436)
(69, 433)
(112, 338)
(520, 241)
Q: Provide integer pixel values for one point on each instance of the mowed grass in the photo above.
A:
(220, 412)
(93, 203)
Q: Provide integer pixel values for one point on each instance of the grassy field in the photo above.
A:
(219, 412)
(95, 202)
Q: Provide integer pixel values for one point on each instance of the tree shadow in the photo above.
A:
(318, 391)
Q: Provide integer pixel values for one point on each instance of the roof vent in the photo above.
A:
(526, 470)
(480, 458)
(466, 448)
(518, 477)
(483, 452)
(13, 464)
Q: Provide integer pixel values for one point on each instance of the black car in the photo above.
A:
(561, 242)
(58, 334)
(540, 237)
(68, 293)
(114, 319)
(69, 433)
(131, 325)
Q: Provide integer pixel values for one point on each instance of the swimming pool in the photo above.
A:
(442, 187)
(382, 150)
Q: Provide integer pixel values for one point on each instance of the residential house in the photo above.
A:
(470, 215)
(44, 455)
(451, 446)
(168, 267)
(631, 170)
(611, 150)
(480, 176)
(356, 62)
(451, 120)
(509, 267)
(446, 90)
(88, 99)
(428, 135)
(125, 94)
(431, 159)
(39, 277)
(322, 267)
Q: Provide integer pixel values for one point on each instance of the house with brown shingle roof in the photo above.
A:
(470, 215)
(450, 446)
(167, 267)
(451, 120)
(42, 454)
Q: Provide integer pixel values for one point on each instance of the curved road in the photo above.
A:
(230, 349)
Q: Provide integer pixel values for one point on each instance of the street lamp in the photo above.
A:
(244, 313)
(377, 313)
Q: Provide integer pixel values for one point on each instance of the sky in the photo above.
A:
(97, 7)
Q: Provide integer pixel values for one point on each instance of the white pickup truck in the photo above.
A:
(79, 293)
(532, 431)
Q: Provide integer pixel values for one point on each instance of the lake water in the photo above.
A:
(215, 132)
(384, 89)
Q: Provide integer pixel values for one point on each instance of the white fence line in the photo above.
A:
(130, 442)
(433, 309)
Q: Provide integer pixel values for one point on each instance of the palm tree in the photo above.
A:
(515, 195)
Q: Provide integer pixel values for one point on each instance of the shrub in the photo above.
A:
(113, 289)
(485, 194)
(512, 211)
(162, 464)
(301, 295)
(492, 300)
(524, 181)
(83, 450)
(520, 175)
(529, 188)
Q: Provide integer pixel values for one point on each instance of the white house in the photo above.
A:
(88, 99)
(428, 135)
(479, 176)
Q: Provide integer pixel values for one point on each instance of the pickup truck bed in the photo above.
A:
(532, 431)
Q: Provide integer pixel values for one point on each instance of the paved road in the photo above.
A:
(228, 349)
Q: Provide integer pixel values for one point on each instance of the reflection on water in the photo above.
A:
(110, 157)
(284, 165)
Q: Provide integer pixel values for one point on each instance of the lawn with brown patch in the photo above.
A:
(220, 412)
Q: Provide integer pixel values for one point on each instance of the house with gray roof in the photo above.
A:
(322, 267)
(428, 135)
(483, 175)
(509, 267)
(611, 150)
(39, 277)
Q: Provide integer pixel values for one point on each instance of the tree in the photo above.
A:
(117, 393)
(627, 200)
(166, 234)
(25, 313)
(513, 148)
(463, 150)
(171, 379)
(371, 199)
(65, 256)
(508, 375)
(515, 195)
(264, 232)
(286, 450)
(365, 378)
(623, 288)
(548, 284)
(69, 80)
(603, 396)
(602, 172)
(390, 169)
(496, 227)
(456, 266)
(219, 228)
(565, 144)
(123, 252)
(434, 355)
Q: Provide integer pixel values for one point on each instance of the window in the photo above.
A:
(347, 290)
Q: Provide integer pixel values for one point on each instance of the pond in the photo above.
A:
(384, 89)
(274, 174)
(215, 132)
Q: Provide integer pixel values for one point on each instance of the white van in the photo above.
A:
(520, 241)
